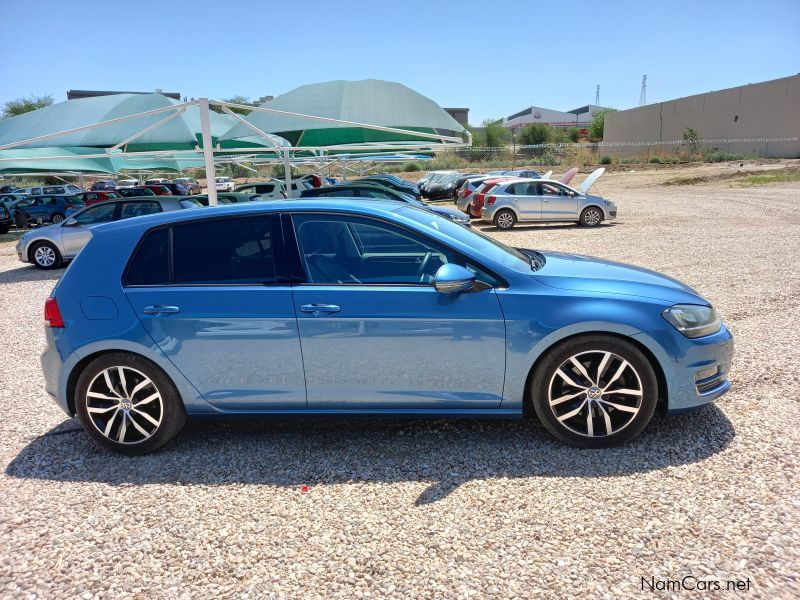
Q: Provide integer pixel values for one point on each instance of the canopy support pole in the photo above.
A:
(208, 152)
(287, 173)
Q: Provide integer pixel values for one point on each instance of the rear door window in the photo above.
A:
(224, 251)
(138, 209)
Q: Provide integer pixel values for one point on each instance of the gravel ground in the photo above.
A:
(438, 509)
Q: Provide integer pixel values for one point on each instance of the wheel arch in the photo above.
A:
(661, 380)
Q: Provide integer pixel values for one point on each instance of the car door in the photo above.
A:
(376, 335)
(40, 208)
(526, 200)
(220, 312)
(558, 203)
(76, 232)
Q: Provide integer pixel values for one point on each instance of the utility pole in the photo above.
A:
(643, 94)
(597, 96)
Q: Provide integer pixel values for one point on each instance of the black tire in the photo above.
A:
(505, 219)
(623, 426)
(170, 413)
(56, 218)
(4, 229)
(591, 216)
(45, 256)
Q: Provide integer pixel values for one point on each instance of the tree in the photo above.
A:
(692, 139)
(538, 133)
(12, 108)
(235, 100)
(496, 134)
(597, 125)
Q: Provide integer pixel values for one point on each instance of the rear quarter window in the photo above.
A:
(150, 262)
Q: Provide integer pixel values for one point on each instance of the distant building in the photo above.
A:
(76, 94)
(459, 114)
(578, 117)
(767, 110)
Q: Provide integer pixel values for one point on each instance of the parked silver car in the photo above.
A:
(523, 200)
(49, 247)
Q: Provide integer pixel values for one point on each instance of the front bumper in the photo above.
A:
(695, 370)
(22, 251)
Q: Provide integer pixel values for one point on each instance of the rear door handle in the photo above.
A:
(319, 309)
(160, 309)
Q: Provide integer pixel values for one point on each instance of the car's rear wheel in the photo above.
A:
(128, 404)
(595, 391)
(45, 256)
(505, 219)
(591, 216)
(57, 218)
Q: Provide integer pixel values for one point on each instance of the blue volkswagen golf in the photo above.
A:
(363, 307)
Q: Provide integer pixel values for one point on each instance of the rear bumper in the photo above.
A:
(52, 360)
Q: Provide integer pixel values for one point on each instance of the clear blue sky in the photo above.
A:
(493, 56)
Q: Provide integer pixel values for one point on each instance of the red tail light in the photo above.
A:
(491, 200)
(467, 192)
(52, 316)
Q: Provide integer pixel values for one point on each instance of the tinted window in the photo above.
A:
(232, 251)
(138, 209)
(53, 190)
(265, 189)
(102, 213)
(150, 264)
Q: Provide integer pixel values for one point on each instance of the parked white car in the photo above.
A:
(544, 200)
(224, 184)
(50, 190)
(127, 183)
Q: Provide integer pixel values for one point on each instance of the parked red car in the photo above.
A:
(480, 194)
(90, 198)
(159, 190)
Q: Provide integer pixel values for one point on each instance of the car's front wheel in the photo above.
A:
(128, 404)
(57, 218)
(45, 256)
(591, 217)
(505, 219)
(595, 391)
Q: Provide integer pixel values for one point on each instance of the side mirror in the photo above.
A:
(71, 223)
(451, 278)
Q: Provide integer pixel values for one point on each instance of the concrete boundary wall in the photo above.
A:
(761, 110)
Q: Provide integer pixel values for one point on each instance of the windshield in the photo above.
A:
(480, 242)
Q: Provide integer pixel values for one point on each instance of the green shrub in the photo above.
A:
(717, 155)
(655, 160)
(412, 167)
(574, 134)
(538, 133)
(605, 160)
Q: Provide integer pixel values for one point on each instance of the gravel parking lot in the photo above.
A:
(448, 508)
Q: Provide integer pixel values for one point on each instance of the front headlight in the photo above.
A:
(693, 320)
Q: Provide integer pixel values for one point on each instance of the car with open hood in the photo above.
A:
(546, 200)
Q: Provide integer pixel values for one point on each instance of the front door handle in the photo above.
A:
(319, 309)
(160, 309)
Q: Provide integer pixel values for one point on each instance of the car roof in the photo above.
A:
(345, 205)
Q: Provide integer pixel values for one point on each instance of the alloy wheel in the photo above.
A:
(124, 405)
(595, 393)
(44, 256)
(505, 221)
(592, 216)
(57, 218)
